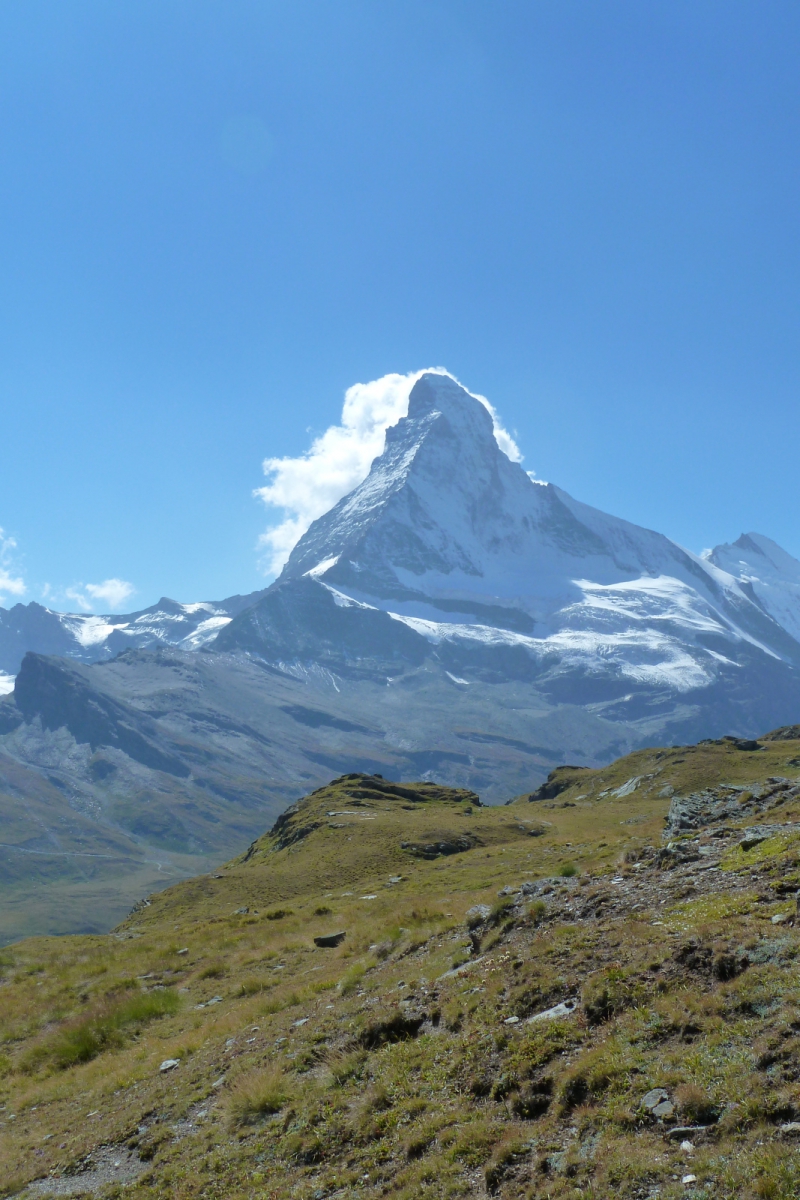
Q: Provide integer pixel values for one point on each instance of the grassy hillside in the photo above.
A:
(419, 1057)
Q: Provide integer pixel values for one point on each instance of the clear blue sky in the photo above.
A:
(215, 217)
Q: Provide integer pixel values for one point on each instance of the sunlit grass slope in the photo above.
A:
(411, 1059)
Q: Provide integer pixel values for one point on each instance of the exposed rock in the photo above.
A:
(786, 733)
(478, 914)
(565, 1009)
(682, 1131)
(654, 1097)
(329, 940)
(557, 782)
(449, 844)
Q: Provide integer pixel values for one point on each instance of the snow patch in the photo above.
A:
(205, 632)
(90, 631)
(323, 566)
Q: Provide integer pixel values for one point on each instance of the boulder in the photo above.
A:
(329, 940)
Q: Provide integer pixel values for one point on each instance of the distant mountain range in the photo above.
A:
(450, 619)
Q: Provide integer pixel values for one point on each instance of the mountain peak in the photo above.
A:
(437, 392)
(768, 572)
(441, 479)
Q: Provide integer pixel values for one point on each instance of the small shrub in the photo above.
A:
(251, 987)
(214, 971)
(695, 1104)
(474, 1143)
(255, 1095)
(533, 1100)
(344, 1066)
(322, 911)
(416, 1146)
(499, 910)
(568, 871)
(608, 993)
(351, 980)
(537, 911)
(378, 1099)
(278, 914)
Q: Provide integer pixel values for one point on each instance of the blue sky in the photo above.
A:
(216, 217)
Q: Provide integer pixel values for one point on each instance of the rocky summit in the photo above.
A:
(401, 992)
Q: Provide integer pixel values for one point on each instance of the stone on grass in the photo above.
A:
(169, 1064)
(564, 1009)
(329, 940)
(654, 1097)
(478, 913)
(680, 1131)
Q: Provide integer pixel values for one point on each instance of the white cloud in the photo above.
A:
(339, 459)
(10, 584)
(111, 595)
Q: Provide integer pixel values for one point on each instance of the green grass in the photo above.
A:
(369, 1069)
(104, 1028)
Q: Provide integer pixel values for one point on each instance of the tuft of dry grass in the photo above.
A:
(256, 1094)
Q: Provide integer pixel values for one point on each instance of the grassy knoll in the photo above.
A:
(411, 1059)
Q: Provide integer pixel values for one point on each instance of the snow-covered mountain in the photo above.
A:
(767, 572)
(450, 538)
(449, 619)
(450, 558)
(88, 638)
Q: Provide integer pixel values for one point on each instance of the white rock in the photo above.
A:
(689, 1179)
(565, 1009)
(169, 1064)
